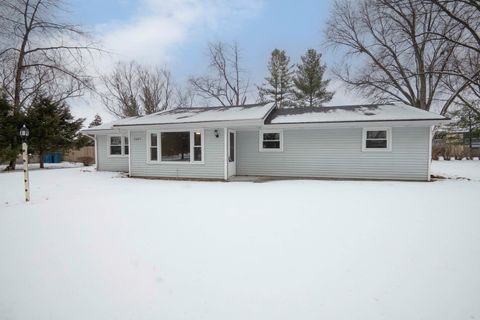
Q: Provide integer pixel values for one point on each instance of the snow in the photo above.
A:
(469, 169)
(98, 245)
(353, 113)
(35, 166)
(194, 115)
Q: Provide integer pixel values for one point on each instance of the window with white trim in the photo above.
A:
(118, 145)
(377, 139)
(197, 146)
(115, 144)
(271, 140)
(125, 146)
(175, 146)
(153, 147)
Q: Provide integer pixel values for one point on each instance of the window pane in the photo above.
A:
(153, 139)
(126, 149)
(197, 153)
(271, 145)
(153, 154)
(382, 134)
(115, 150)
(271, 136)
(377, 144)
(197, 137)
(231, 153)
(126, 140)
(175, 146)
(115, 141)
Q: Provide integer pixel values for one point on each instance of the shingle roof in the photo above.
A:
(209, 114)
(353, 113)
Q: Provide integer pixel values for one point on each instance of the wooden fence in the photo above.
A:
(80, 154)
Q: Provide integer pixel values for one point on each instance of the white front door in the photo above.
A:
(232, 153)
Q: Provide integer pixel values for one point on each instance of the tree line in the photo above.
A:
(424, 53)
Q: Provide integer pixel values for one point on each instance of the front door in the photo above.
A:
(232, 153)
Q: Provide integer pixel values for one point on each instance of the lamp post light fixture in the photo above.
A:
(24, 134)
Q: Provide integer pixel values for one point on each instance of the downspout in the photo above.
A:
(430, 137)
(129, 153)
(225, 138)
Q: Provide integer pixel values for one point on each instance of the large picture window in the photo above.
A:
(271, 140)
(175, 146)
(377, 139)
(118, 145)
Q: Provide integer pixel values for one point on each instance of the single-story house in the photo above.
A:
(379, 141)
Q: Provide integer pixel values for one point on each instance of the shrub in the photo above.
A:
(87, 161)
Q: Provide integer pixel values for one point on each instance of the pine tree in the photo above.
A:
(279, 83)
(10, 123)
(97, 120)
(310, 88)
(52, 127)
(468, 120)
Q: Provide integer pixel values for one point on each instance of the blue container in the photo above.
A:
(52, 157)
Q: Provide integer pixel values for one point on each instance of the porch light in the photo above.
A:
(215, 133)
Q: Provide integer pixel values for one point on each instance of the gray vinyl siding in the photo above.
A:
(336, 153)
(212, 168)
(107, 163)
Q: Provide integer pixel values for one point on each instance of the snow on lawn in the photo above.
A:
(94, 245)
(457, 169)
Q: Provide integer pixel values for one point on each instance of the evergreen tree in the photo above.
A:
(310, 88)
(10, 124)
(52, 127)
(96, 121)
(279, 83)
(467, 120)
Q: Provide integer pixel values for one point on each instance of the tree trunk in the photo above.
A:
(42, 163)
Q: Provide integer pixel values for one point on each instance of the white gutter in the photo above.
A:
(96, 151)
(225, 139)
(430, 136)
(357, 124)
(129, 154)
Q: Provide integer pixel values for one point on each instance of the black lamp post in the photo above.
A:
(24, 134)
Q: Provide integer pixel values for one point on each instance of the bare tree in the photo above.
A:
(133, 90)
(225, 84)
(402, 58)
(463, 76)
(40, 54)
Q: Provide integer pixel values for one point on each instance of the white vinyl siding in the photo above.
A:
(336, 153)
(107, 162)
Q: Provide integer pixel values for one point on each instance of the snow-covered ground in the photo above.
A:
(96, 245)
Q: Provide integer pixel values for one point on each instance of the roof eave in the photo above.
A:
(190, 125)
(361, 124)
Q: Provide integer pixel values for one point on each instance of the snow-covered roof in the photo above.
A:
(198, 115)
(108, 126)
(266, 114)
(353, 113)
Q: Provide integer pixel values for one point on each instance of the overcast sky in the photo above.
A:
(175, 33)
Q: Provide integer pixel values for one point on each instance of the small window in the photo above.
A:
(153, 147)
(116, 145)
(377, 139)
(197, 146)
(125, 145)
(175, 146)
(271, 140)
